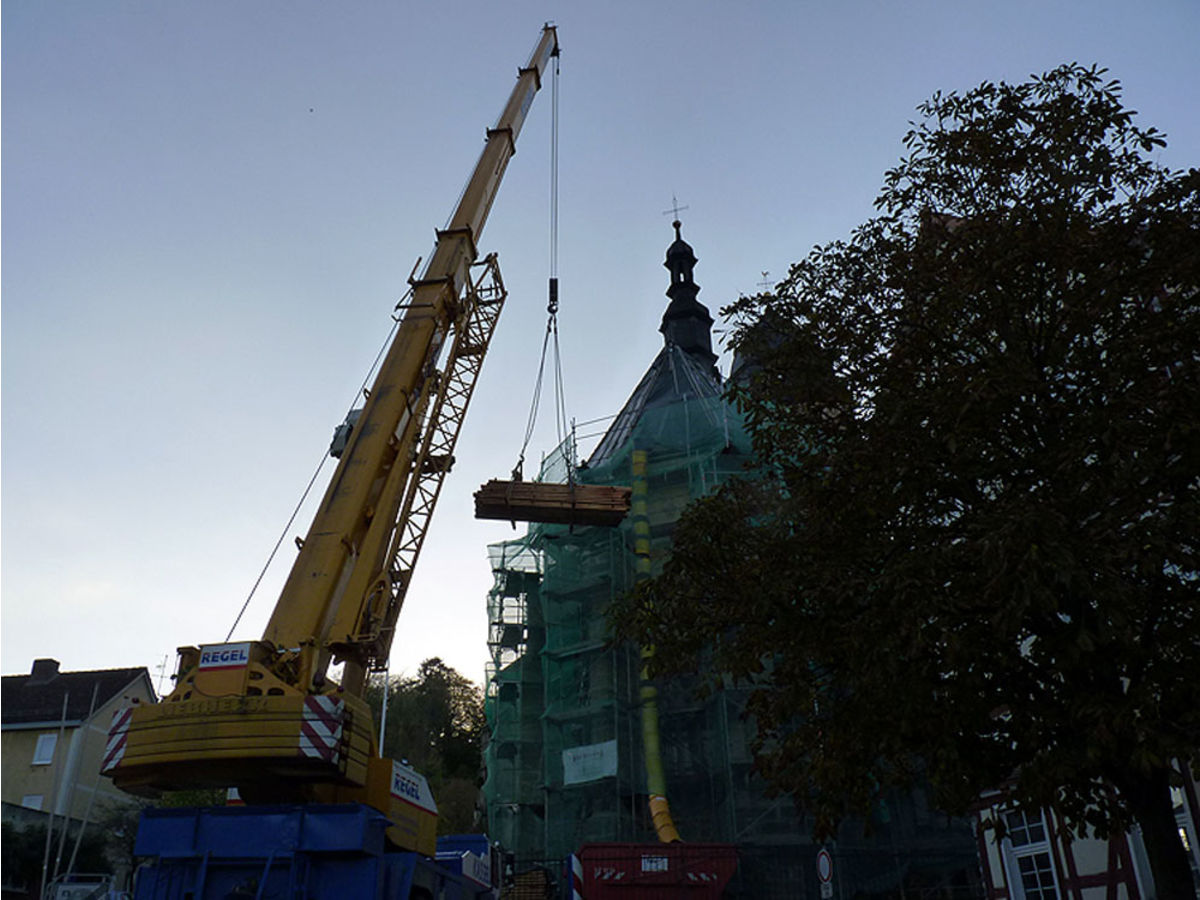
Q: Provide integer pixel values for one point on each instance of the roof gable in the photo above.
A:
(25, 700)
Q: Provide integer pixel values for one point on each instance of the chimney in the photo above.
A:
(44, 671)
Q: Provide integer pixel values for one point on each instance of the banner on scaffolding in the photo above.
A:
(590, 762)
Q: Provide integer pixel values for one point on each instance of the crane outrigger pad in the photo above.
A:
(554, 504)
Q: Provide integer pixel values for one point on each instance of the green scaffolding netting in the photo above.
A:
(565, 761)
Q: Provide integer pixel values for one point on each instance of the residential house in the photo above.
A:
(1039, 859)
(54, 728)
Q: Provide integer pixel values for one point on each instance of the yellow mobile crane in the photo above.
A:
(262, 715)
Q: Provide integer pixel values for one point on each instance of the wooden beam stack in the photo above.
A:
(555, 504)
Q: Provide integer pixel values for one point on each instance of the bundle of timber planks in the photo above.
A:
(557, 504)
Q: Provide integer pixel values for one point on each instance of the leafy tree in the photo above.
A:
(118, 824)
(435, 721)
(972, 552)
(24, 851)
(194, 797)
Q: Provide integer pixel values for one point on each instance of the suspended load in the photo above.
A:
(553, 504)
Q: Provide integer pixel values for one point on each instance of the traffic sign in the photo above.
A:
(824, 866)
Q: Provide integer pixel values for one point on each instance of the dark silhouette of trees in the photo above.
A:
(24, 853)
(971, 552)
(435, 721)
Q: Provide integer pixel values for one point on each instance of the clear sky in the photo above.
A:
(210, 209)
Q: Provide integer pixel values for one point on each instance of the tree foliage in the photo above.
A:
(972, 551)
(435, 721)
(24, 852)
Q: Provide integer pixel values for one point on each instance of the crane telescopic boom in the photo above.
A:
(261, 715)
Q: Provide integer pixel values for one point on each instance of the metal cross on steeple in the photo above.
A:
(675, 209)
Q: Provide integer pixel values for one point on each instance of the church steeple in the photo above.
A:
(686, 323)
(685, 369)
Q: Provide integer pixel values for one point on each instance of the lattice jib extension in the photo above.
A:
(473, 327)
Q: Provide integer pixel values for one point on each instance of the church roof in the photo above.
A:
(673, 377)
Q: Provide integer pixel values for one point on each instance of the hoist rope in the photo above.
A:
(554, 171)
(531, 422)
(551, 336)
(316, 474)
(271, 556)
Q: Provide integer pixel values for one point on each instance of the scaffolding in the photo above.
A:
(565, 761)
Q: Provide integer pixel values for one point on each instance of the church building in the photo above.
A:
(572, 759)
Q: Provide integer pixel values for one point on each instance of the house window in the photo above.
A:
(1023, 830)
(1028, 852)
(1037, 876)
(32, 801)
(43, 753)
